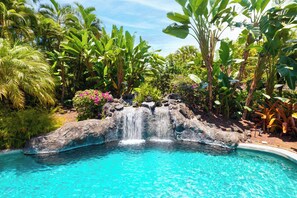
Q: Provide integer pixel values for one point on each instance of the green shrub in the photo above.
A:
(89, 103)
(292, 95)
(16, 127)
(193, 94)
(145, 91)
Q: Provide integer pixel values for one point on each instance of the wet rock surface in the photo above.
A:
(149, 105)
(173, 120)
(73, 135)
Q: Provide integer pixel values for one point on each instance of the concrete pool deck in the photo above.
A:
(268, 149)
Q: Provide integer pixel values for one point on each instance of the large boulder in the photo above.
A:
(188, 128)
(73, 135)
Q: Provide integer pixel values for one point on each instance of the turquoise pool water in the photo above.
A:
(148, 171)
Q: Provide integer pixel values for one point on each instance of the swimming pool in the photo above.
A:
(149, 170)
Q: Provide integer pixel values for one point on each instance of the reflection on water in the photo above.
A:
(23, 163)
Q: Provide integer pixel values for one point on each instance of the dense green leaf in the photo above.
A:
(195, 78)
(109, 44)
(223, 5)
(180, 18)
(195, 4)
(181, 2)
(264, 4)
(180, 31)
(129, 41)
(224, 53)
(287, 68)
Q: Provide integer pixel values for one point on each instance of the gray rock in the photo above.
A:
(108, 109)
(239, 130)
(172, 106)
(149, 99)
(116, 100)
(185, 111)
(165, 101)
(173, 96)
(248, 133)
(149, 105)
(119, 107)
(175, 122)
(158, 104)
(172, 101)
(135, 104)
(229, 129)
(73, 135)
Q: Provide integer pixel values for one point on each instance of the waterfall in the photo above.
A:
(141, 123)
(161, 125)
(132, 126)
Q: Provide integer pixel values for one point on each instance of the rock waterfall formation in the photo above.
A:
(173, 121)
(132, 127)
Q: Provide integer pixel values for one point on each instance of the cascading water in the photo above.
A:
(141, 123)
(161, 125)
(132, 126)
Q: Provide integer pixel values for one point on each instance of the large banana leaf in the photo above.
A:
(180, 31)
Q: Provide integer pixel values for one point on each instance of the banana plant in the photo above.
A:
(61, 67)
(14, 20)
(253, 10)
(275, 26)
(205, 21)
(80, 50)
(86, 19)
(122, 64)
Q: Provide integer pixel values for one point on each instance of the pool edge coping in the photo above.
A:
(10, 151)
(268, 149)
(245, 146)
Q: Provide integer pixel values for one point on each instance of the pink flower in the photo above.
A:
(110, 98)
(194, 86)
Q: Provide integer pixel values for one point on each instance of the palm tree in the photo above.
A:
(59, 13)
(53, 23)
(87, 20)
(24, 72)
(15, 19)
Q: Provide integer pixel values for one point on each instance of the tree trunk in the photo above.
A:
(63, 82)
(257, 77)
(209, 65)
(245, 57)
(210, 84)
(271, 76)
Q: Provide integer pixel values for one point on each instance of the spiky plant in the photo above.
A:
(24, 72)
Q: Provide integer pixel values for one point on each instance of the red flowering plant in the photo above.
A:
(89, 103)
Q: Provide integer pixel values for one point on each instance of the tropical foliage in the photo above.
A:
(49, 52)
(24, 73)
(30, 122)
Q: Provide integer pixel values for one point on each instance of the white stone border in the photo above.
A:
(268, 149)
(7, 152)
